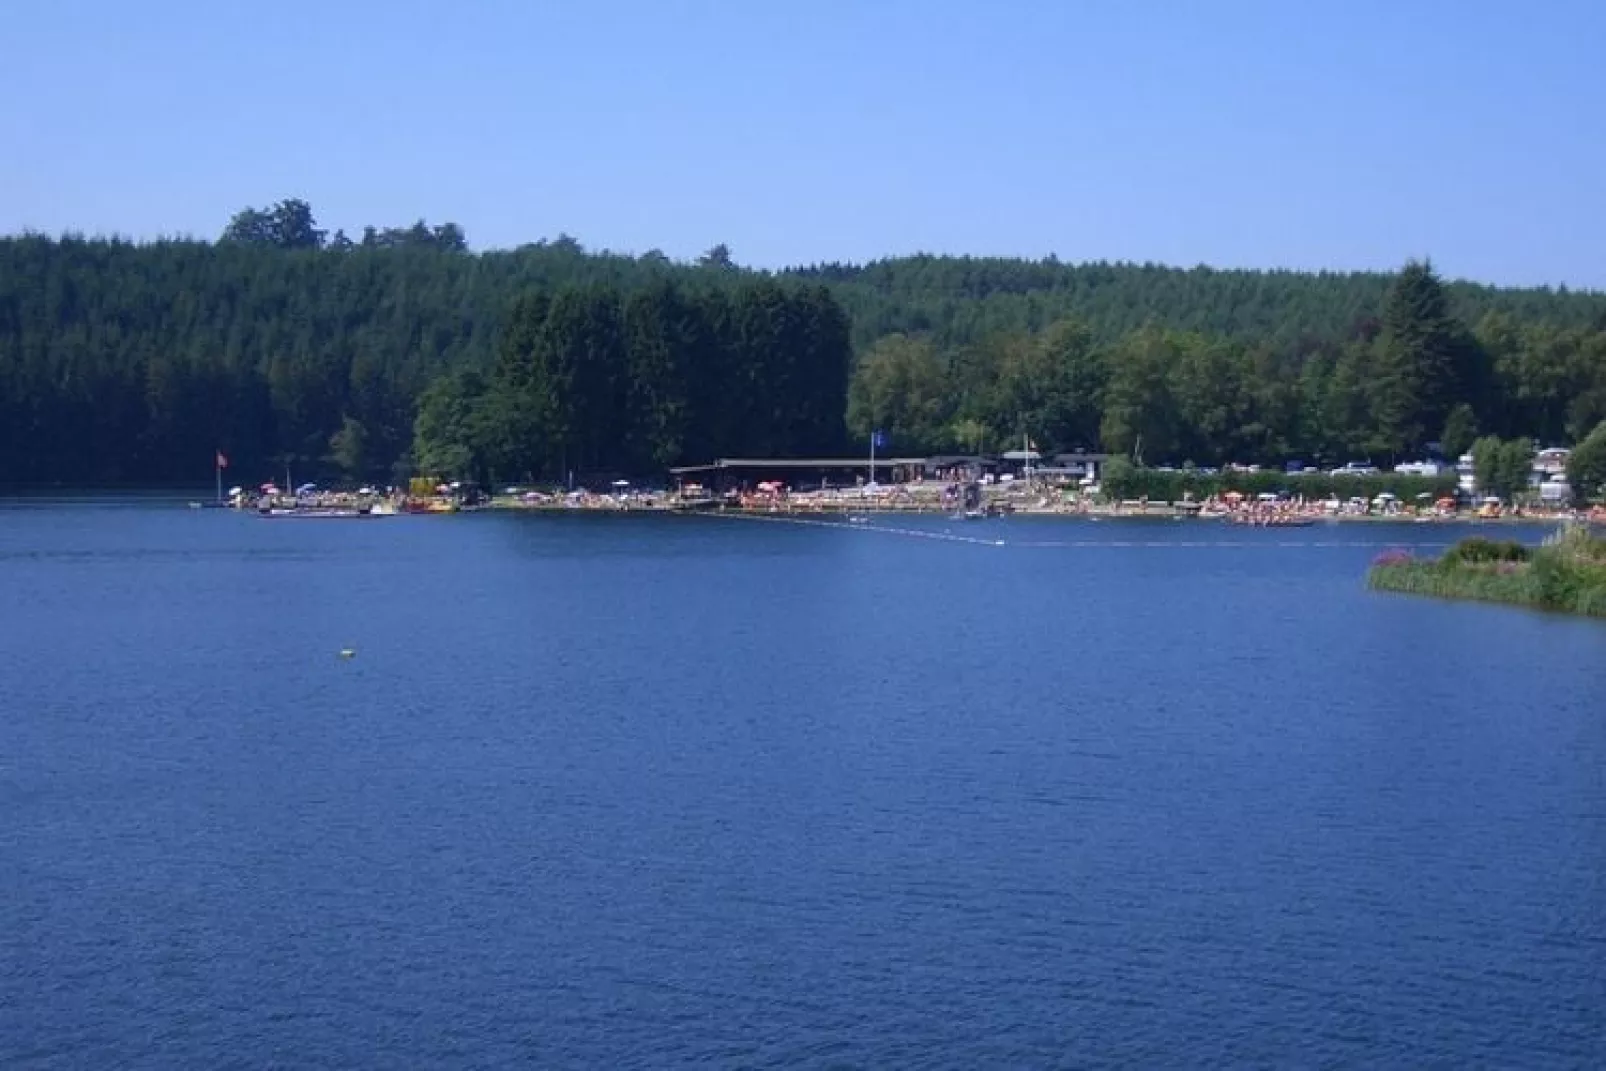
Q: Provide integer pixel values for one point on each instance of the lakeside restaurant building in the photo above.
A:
(799, 473)
(811, 473)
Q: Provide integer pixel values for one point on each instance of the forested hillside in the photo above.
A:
(131, 363)
(964, 299)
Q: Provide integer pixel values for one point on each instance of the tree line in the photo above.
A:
(601, 381)
(1410, 376)
(126, 362)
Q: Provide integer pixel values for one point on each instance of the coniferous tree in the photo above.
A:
(1586, 468)
(124, 362)
(1418, 363)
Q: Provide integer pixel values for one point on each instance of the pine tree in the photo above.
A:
(1417, 363)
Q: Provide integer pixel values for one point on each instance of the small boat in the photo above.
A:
(318, 513)
(975, 515)
(1274, 522)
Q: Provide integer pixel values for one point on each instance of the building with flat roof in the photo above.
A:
(729, 473)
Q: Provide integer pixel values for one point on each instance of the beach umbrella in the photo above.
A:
(621, 483)
(269, 489)
(233, 491)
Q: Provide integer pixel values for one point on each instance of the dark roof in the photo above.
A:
(798, 463)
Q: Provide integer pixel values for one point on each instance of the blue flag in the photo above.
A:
(878, 438)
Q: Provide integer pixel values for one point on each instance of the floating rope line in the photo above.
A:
(914, 533)
(1153, 544)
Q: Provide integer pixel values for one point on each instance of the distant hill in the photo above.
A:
(962, 299)
(123, 361)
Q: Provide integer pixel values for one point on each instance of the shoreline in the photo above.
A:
(1154, 512)
(1565, 575)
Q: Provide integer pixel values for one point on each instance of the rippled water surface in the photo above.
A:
(638, 791)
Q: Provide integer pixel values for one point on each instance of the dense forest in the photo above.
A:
(600, 381)
(1412, 375)
(371, 357)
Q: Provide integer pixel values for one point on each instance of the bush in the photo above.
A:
(1567, 574)
(1431, 578)
(1586, 468)
(1577, 541)
(1479, 551)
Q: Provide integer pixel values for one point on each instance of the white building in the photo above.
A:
(1552, 461)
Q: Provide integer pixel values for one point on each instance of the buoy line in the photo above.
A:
(1038, 544)
(915, 533)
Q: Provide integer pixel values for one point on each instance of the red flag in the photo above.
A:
(222, 462)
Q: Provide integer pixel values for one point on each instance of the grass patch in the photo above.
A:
(1567, 574)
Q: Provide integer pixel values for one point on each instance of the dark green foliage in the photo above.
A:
(286, 225)
(132, 363)
(903, 387)
(1460, 431)
(963, 299)
(595, 382)
(1570, 573)
(1141, 413)
(1502, 467)
(1586, 467)
(123, 363)
(451, 436)
(659, 342)
(1477, 550)
(718, 257)
(1567, 574)
(447, 237)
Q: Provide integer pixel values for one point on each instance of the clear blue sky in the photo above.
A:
(1278, 133)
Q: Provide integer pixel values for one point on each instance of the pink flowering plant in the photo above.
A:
(1393, 556)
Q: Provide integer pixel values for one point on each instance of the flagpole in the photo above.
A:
(218, 470)
(872, 456)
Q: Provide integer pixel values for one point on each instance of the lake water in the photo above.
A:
(642, 792)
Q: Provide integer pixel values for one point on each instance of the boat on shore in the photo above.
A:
(319, 513)
(1272, 522)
